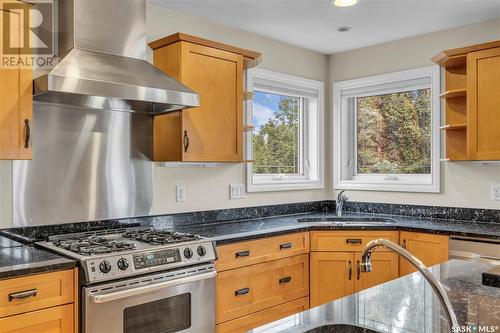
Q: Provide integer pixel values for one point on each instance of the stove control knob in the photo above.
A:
(105, 267)
(201, 250)
(122, 264)
(188, 253)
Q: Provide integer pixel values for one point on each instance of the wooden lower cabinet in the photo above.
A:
(263, 317)
(331, 276)
(430, 249)
(246, 290)
(58, 319)
(337, 274)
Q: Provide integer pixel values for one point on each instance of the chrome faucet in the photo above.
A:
(339, 204)
(366, 266)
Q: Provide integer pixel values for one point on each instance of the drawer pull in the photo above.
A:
(285, 246)
(358, 269)
(286, 279)
(22, 294)
(241, 292)
(404, 244)
(353, 241)
(350, 269)
(242, 254)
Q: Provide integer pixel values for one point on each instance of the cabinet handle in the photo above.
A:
(358, 269)
(22, 294)
(350, 269)
(403, 244)
(285, 246)
(241, 292)
(353, 241)
(286, 279)
(242, 254)
(186, 141)
(27, 131)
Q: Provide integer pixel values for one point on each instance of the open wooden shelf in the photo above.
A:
(248, 128)
(453, 127)
(454, 61)
(454, 93)
(247, 95)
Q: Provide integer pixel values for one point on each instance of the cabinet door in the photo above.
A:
(15, 102)
(58, 319)
(483, 104)
(213, 131)
(384, 268)
(332, 276)
(430, 249)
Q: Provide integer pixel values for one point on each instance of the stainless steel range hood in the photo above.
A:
(102, 51)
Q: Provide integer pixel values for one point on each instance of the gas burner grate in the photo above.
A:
(160, 237)
(92, 245)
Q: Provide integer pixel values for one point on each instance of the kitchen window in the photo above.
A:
(387, 132)
(285, 144)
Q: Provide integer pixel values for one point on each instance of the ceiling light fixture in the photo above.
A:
(344, 3)
(344, 28)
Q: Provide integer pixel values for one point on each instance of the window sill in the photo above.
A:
(396, 186)
(284, 186)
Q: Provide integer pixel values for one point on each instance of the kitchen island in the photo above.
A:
(407, 304)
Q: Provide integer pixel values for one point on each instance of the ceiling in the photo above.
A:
(312, 24)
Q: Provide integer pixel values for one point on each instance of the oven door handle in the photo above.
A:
(108, 297)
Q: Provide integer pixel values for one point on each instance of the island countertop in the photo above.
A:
(407, 304)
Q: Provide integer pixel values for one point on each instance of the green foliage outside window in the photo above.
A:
(394, 133)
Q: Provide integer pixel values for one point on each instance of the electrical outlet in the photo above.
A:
(180, 193)
(236, 191)
(495, 192)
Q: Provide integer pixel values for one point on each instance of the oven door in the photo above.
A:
(181, 302)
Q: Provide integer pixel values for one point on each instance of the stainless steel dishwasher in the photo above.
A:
(475, 249)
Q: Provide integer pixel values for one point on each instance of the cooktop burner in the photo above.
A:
(160, 237)
(93, 245)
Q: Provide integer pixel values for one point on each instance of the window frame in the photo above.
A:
(278, 83)
(346, 177)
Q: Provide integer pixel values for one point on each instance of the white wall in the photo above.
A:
(464, 184)
(208, 188)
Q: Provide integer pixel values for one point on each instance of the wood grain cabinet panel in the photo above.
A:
(261, 250)
(40, 291)
(212, 132)
(246, 290)
(332, 276)
(348, 240)
(483, 87)
(430, 249)
(58, 319)
(243, 324)
(15, 101)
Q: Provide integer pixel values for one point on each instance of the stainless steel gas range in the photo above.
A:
(140, 280)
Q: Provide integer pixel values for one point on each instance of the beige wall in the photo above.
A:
(208, 188)
(464, 184)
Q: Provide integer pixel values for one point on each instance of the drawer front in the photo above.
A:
(261, 250)
(243, 324)
(58, 319)
(348, 240)
(249, 289)
(35, 292)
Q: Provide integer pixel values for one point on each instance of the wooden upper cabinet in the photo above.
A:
(212, 132)
(483, 104)
(472, 111)
(15, 99)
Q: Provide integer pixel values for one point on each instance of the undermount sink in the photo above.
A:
(348, 220)
(341, 328)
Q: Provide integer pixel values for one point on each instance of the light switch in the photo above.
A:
(236, 191)
(495, 192)
(180, 193)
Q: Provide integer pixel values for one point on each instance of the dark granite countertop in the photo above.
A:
(226, 232)
(407, 304)
(17, 259)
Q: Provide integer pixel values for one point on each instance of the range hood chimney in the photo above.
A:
(102, 51)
